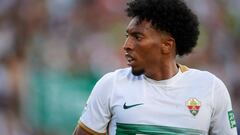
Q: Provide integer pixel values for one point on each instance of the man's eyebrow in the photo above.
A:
(134, 32)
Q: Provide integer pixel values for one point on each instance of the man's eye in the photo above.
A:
(138, 38)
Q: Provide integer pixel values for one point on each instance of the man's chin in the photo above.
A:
(137, 72)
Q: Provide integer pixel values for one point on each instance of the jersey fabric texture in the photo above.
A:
(190, 103)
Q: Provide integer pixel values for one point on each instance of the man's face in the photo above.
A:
(142, 46)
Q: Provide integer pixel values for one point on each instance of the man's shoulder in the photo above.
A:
(201, 74)
(123, 71)
(119, 73)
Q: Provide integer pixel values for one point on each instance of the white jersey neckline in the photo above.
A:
(165, 82)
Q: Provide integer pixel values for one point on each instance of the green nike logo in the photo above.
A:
(130, 106)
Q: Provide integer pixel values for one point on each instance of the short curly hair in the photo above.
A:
(171, 16)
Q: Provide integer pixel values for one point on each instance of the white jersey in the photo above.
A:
(190, 103)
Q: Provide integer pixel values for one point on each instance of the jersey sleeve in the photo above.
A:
(96, 114)
(222, 122)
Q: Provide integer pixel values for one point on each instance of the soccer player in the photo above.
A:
(156, 95)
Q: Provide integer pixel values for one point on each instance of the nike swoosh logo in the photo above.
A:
(130, 106)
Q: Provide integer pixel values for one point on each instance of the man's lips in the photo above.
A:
(130, 59)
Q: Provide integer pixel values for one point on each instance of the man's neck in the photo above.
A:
(162, 72)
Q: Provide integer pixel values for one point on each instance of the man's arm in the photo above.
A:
(96, 114)
(222, 120)
(81, 129)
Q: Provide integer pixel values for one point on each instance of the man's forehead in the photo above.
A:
(135, 23)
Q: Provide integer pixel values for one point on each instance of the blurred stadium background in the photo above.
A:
(53, 51)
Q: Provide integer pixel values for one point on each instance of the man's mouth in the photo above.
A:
(130, 59)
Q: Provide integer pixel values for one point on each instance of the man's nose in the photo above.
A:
(128, 45)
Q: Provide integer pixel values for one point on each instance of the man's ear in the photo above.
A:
(168, 45)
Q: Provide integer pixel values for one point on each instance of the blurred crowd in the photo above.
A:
(53, 51)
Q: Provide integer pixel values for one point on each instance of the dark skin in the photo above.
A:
(148, 51)
(80, 131)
